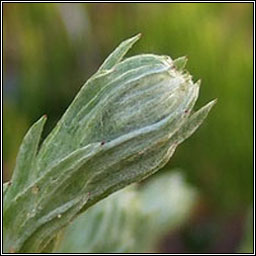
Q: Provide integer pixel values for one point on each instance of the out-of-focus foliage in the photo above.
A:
(247, 242)
(133, 219)
(51, 49)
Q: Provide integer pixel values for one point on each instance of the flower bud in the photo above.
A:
(123, 125)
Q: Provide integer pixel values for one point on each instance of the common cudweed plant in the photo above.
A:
(134, 219)
(124, 125)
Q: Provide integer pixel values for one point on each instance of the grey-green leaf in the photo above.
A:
(117, 55)
(193, 122)
(43, 200)
(159, 206)
(24, 171)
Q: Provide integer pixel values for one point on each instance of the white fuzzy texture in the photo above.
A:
(123, 125)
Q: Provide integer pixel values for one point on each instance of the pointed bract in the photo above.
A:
(117, 55)
(180, 62)
(24, 171)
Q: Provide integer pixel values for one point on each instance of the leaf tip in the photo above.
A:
(180, 62)
(139, 35)
(199, 82)
(135, 38)
(212, 103)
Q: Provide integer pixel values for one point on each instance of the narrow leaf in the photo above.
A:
(24, 171)
(117, 55)
(193, 122)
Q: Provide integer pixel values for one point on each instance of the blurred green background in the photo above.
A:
(50, 50)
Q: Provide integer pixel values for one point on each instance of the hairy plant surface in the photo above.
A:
(124, 125)
(133, 219)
